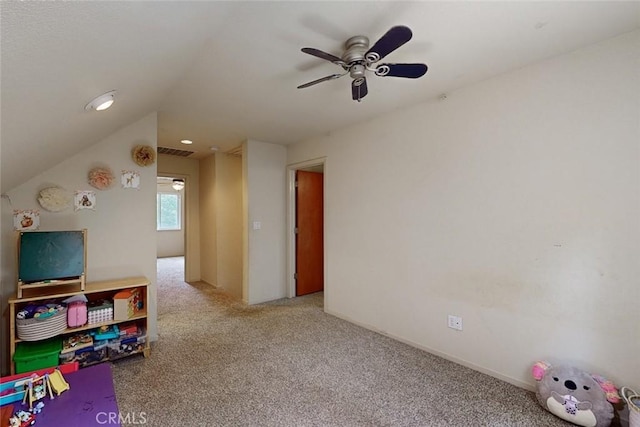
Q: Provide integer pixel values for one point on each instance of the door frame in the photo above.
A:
(186, 221)
(291, 221)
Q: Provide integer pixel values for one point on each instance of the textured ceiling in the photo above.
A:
(223, 72)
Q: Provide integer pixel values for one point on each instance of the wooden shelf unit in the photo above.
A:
(105, 287)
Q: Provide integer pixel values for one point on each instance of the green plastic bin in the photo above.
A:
(31, 356)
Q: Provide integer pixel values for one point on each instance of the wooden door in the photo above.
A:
(309, 233)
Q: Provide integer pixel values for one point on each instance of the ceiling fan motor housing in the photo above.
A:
(356, 47)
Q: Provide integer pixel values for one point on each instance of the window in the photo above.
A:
(168, 207)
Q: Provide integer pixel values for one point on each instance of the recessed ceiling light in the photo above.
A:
(102, 102)
(214, 148)
(187, 141)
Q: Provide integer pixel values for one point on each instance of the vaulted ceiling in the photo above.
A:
(219, 73)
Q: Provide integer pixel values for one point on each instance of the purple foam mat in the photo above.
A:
(90, 401)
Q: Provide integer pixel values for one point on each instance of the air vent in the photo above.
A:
(235, 151)
(174, 152)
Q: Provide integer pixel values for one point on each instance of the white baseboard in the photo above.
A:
(515, 382)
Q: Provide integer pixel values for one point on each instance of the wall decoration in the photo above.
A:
(26, 219)
(84, 200)
(101, 178)
(130, 179)
(144, 155)
(54, 199)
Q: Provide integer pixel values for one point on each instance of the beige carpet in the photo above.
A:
(220, 363)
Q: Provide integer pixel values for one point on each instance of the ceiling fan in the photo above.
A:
(359, 58)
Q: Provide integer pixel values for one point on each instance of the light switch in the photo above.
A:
(257, 225)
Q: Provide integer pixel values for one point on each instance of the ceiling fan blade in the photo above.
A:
(359, 88)
(324, 79)
(322, 55)
(393, 39)
(410, 71)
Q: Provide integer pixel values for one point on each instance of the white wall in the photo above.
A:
(208, 227)
(221, 229)
(228, 205)
(7, 276)
(121, 230)
(189, 170)
(171, 242)
(515, 204)
(264, 201)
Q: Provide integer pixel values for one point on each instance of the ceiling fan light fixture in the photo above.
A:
(178, 184)
(101, 102)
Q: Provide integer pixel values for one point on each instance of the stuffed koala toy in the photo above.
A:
(575, 395)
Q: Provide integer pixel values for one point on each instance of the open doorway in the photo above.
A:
(171, 221)
(306, 263)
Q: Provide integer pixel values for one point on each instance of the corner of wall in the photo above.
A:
(208, 228)
(264, 172)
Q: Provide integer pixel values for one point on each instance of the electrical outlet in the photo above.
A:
(455, 322)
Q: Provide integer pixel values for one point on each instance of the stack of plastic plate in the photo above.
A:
(36, 329)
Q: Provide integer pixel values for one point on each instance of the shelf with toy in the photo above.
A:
(110, 343)
(141, 315)
(131, 340)
(94, 291)
(87, 356)
(75, 342)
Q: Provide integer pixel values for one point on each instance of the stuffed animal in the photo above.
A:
(575, 395)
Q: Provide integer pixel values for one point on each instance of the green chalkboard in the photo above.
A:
(51, 255)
